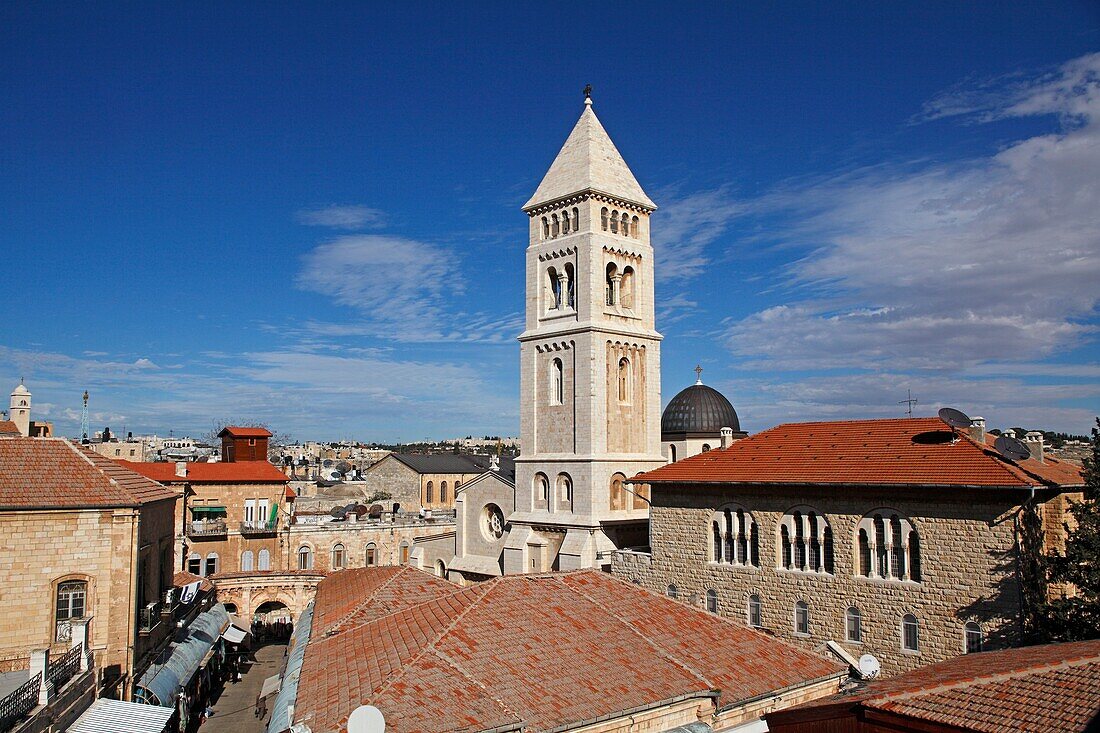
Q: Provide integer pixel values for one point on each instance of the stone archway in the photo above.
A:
(271, 611)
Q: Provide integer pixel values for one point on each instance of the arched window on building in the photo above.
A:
(756, 611)
(429, 493)
(625, 225)
(555, 225)
(735, 537)
(888, 546)
(442, 492)
(972, 638)
(712, 600)
(545, 228)
(806, 541)
(634, 227)
(246, 560)
(553, 289)
(570, 297)
(565, 491)
(626, 288)
(72, 603)
(263, 560)
(565, 221)
(603, 218)
(440, 569)
(542, 489)
(910, 640)
(672, 454)
(576, 219)
(305, 558)
(557, 382)
(672, 591)
(211, 565)
(615, 221)
(618, 492)
(403, 553)
(624, 380)
(339, 558)
(706, 447)
(802, 618)
(853, 625)
(371, 558)
(194, 564)
(611, 284)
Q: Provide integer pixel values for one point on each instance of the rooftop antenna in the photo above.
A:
(910, 402)
(1012, 448)
(698, 374)
(956, 419)
(84, 429)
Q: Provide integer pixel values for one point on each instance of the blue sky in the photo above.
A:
(309, 215)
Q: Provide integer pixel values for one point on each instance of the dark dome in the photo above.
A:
(699, 409)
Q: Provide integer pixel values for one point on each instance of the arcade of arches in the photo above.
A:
(267, 596)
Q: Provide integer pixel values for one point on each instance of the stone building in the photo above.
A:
(590, 366)
(85, 549)
(19, 414)
(542, 652)
(896, 538)
(427, 481)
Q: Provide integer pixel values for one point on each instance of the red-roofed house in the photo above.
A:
(539, 652)
(895, 538)
(85, 553)
(1054, 688)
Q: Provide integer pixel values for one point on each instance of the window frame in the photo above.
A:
(801, 618)
(849, 617)
(971, 628)
(910, 623)
(755, 611)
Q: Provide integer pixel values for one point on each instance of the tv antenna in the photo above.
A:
(910, 402)
(84, 427)
(1012, 448)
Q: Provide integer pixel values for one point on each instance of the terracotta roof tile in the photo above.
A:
(183, 578)
(245, 432)
(507, 651)
(8, 428)
(53, 472)
(222, 472)
(916, 451)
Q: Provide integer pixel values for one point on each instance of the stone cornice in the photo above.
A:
(589, 193)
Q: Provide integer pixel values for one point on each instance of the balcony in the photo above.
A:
(259, 527)
(148, 618)
(202, 528)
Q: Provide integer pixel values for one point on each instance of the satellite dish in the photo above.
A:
(868, 667)
(1009, 447)
(337, 512)
(955, 418)
(328, 463)
(366, 719)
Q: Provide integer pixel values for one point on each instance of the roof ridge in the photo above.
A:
(488, 693)
(1000, 460)
(1040, 668)
(634, 629)
(343, 619)
(334, 627)
(431, 646)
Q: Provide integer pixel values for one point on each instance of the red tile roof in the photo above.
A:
(183, 578)
(537, 650)
(53, 472)
(7, 427)
(241, 472)
(241, 432)
(916, 451)
(1051, 688)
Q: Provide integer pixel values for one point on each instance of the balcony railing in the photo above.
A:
(20, 702)
(258, 527)
(62, 670)
(149, 617)
(206, 528)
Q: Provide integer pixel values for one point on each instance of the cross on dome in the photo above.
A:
(698, 374)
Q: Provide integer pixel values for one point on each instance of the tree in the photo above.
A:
(1077, 617)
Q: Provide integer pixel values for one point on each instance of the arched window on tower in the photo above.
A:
(565, 221)
(545, 228)
(618, 492)
(626, 288)
(576, 219)
(611, 284)
(615, 222)
(542, 489)
(557, 382)
(624, 381)
(625, 225)
(570, 298)
(603, 218)
(634, 227)
(553, 284)
(555, 225)
(565, 491)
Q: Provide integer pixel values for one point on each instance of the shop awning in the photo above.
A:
(206, 510)
(116, 716)
(237, 630)
(271, 685)
(182, 659)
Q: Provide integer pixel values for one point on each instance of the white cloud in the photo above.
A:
(686, 225)
(350, 217)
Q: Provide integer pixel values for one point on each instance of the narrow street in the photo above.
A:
(234, 712)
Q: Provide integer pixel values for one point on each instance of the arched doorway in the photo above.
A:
(271, 622)
(440, 569)
(271, 611)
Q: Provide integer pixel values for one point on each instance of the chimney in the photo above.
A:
(1034, 441)
(181, 469)
(977, 429)
(727, 437)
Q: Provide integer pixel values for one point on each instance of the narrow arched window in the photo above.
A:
(785, 544)
(754, 545)
(742, 539)
(603, 218)
(672, 453)
(264, 560)
(211, 564)
(730, 549)
(909, 633)
(634, 227)
(545, 228)
(716, 527)
(672, 591)
(557, 382)
(305, 558)
(853, 625)
(553, 282)
(442, 492)
(542, 488)
(614, 222)
(802, 618)
(371, 558)
(914, 556)
(815, 544)
(565, 222)
(972, 638)
(626, 288)
(611, 284)
(829, 557)
(712, 600)
(618, 492)
(429, 493)
(799, 543)
(565, 490)
(897, 549)
(864, 554)
(555, 225)
(194, 564)
(338, 556)
(570, 298)
(756, 615)
(72, 601)
(624, 380)
(625, 225)
(576, 219)
(246, 560)
(883, 566)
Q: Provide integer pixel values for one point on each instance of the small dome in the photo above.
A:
(699, 409)
(20, 390)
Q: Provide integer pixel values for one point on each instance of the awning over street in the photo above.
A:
(237, 631)
(116, 716)
(178, 664)
(271, 685)
(205, 510)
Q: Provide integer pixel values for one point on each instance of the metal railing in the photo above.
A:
(206, 528)
(259, 527)
(149, 618)
(62, 670)
(64, 630)
(20, 702)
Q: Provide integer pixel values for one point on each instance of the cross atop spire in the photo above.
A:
(588, 94)
(698, 374)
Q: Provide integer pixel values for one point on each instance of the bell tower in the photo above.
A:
(589, 361)
(21, 408)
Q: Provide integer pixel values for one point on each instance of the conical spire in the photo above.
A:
(589, 161)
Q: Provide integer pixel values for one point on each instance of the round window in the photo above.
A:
(492, 522)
